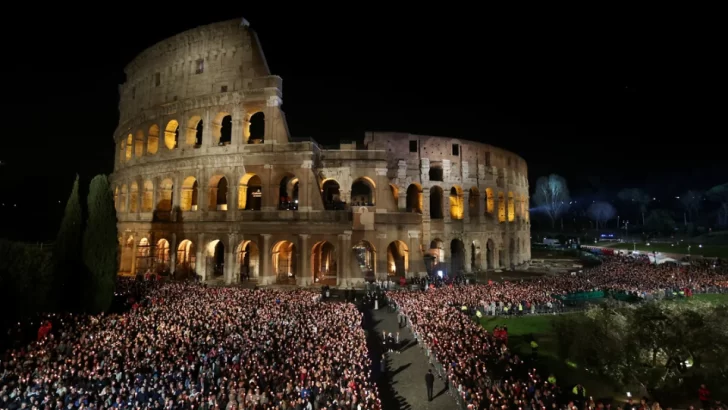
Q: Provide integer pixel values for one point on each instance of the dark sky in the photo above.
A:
(579, 99)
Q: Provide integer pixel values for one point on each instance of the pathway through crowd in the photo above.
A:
(403, 386)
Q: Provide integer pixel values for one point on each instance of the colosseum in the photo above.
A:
(208, 181)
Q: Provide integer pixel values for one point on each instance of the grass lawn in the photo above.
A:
(709, 251)
(711, 298)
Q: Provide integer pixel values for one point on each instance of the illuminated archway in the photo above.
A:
(489, 201)
(126, 259)
(129, 146)
(248, 260)
(153, 139)
(218, 192)
(457, 256)
(256, 132)
(284, 261)
(122, 199)
(148, 196)
(215, 259)
(116, 199)
(324, 266)
(188, 201)
(134, 197)
(362, 192)
(250, 192)
(397, 259)
(395, 194)
(365, 253)
(476, 256)
(511, 208)
(186, 259)
(144, 257)
(139, 144)
(161, 256)
(437, 250)
(222, 128)
(456, 203)
(288, 193)
(436, 211)
(331, 195)
(164, 196)
(171, 134)
(414, 198)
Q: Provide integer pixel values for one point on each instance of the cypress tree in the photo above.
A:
(100, 245)
(67, 253)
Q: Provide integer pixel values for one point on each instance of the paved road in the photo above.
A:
(403, 386)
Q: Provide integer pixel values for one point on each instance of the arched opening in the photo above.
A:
(186, 259)
(122, 199)
(437, 250)
(362, 192)
(323, 263)
(502, 258)
(457, 256)
(511, 208)
(331, 195)
(222, 128)
(250, 193)
(490, 254)
(512, 252)
(473, 202)
(153, 139)
(144, 257)
(288, 193)
(476, 257)
(194, 131)
(436, 173)
(414, 198)
(501, 207)
(257, 128)
(116, 199)
(248, 259)
(139, 144)
(164, 201)
(188, 201)
(489, 201)
(134, 197)
(395, 194)
(397, 259)
(122, 151)
(171, 134)
(126, 258)
(456, 203)
(129, 147)
(215, 263)
(218, 193)
(148, 196)
(284, 261)
(161, 256)
(436, 203)
(365, 256)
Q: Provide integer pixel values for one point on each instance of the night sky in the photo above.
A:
(581, 100)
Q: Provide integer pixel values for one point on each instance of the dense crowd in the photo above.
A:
(473, 357)
(186, 346)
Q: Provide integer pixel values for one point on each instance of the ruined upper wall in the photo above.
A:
(399, 147)
(220, 57)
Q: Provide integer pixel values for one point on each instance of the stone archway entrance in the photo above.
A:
(284, 262)
(365, 257)
(248, 261)
(457, 257)
(490, 254)
(476, 257)
(324, 267)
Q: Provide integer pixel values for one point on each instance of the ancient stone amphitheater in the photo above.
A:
(208, 180)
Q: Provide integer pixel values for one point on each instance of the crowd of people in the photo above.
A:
(473, 357)
(187, 346)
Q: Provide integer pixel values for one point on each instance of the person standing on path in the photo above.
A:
(430, 381)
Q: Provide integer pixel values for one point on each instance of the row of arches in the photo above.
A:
(480, 259)
(509, 207)
(283, 256)
(143, 198)
(192, 135)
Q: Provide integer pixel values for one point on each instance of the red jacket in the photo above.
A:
(703, 394)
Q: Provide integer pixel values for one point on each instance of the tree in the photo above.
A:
(719, 194)
(639, 198)
(552, 196)
(26, 277)
(600, 212)
(100, 244)
(68, 266)
(691, 202)
(660, 220)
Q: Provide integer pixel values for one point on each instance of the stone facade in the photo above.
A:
(207, 180)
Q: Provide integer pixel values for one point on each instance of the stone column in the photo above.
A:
(381, 267)
(200, 257)
(467, 265)
(343, 259)
(236, 132)
(402, 199)
(416, 258)
(425, 204)
(207, 138)
(232, 197)
(303, 276)
(270, 190)
(466, 206)
(481, 207)
(155, 194)
(446, 217)
(305, 187)
(230, 276)
(134, 254)
(265, 276)
(176, 193)
(172, 252)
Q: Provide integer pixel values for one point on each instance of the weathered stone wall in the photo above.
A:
(196, 190)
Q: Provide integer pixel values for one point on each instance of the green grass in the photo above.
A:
(708, 250)
(718, 299)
